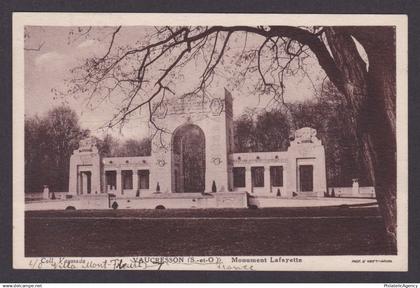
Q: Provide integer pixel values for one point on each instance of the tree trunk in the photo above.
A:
(370, 97)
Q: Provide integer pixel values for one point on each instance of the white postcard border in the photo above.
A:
(309, 263)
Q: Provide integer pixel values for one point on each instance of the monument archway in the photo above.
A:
(188, 159)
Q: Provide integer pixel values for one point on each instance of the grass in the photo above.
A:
(338, 231)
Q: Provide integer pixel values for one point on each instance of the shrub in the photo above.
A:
(213, 187)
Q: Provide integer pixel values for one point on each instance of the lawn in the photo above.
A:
(276, 231)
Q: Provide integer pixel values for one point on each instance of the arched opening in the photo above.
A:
(189, 159)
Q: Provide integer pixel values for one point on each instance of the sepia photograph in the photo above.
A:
(210, 142)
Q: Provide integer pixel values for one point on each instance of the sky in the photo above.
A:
(47, 70)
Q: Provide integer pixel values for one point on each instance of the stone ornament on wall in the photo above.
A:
(187, 104)
(306, 135)
(216, 106)
(217, 160)
(87, 145)
(161, 162)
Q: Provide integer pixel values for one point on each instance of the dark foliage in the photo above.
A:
(49, 142)
(270, 131)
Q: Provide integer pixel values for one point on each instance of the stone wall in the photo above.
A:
(211, 116)
(84, 160)
(362, 192)
(305, 149)
(163, 200)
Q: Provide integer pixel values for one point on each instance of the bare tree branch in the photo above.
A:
(112, 42)
(188, 41)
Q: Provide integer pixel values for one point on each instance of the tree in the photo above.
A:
(36, 149)
(132, 147)
(64, 134)
(272, 131)
(327, 115)
(49, 143)
(107, 146)
(370, 96)
(245, 138)
(368, 93)
(269, 131)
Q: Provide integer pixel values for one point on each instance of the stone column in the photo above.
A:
(355, 187)
(79, 183)
(230, 179)
(248, 179)
(284, 189)
(46, 192)
(119, 183)
(135, 180)
(267, 182)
